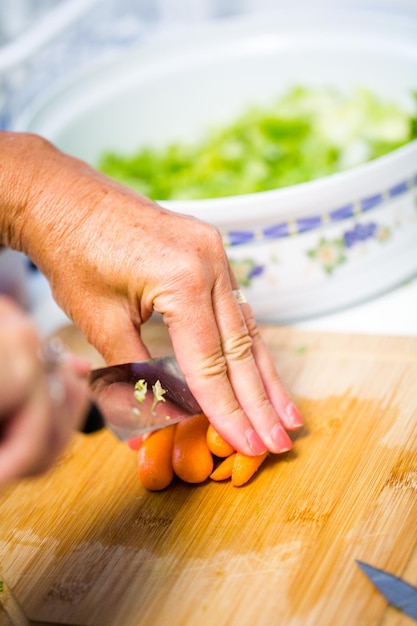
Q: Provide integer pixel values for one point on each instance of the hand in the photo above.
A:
(38, 410)
(113, 257)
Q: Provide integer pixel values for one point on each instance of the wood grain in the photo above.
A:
(86, 544)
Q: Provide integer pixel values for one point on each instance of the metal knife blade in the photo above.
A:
(398, 592)
(112, 390)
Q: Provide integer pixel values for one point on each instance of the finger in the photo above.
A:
(35, 434)
(19, 359)
(243, 370)
(25, 435)
(274, 387)
(69, 406)
(220, 369)
(205, 369)
(114, 334)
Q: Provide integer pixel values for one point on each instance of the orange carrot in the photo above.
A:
(217, 445)
(245, 466)
(224, 469)
(191, 457)
(155, 469)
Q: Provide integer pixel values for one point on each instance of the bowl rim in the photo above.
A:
(292, 210)
(310, 186)
(364, 177)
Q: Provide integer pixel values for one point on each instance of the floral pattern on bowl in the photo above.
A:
(330, 253)
(246, 270)
(341, 258)
(302, 225)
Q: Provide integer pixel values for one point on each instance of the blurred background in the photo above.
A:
(44, 42)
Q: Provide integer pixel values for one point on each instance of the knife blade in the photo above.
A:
(113, 392)
(398, 592)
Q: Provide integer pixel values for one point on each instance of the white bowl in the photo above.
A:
(302, 250)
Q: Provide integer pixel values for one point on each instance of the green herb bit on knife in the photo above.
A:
(158, 394)
(141, 389)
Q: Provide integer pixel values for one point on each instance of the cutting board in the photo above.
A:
(87, 545)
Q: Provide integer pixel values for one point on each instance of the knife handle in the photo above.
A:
(94, 420)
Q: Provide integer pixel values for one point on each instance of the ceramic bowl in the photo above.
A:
(299, 251)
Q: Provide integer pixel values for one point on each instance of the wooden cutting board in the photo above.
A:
(87, 545)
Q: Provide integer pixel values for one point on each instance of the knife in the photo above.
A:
(399, 593)
(167, 400)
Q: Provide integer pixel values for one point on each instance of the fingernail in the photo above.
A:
(280, 437)
(94, 420)
(255, 443)
(294, 416)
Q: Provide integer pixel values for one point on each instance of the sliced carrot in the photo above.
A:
(224, 469)
(155, 468)
(217, 445)
(244, 467)
(191, 457)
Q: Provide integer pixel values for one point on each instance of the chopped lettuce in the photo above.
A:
(306, 134)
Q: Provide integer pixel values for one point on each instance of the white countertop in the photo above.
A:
(394, 313)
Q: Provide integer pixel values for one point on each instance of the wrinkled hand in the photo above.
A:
(113, 257)
(38, 410)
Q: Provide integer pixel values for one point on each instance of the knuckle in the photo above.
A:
(210, 236)
(208, 231)
(261, 403)
(187, 275)
(214, 236)
(213, 367)
(238, 347)
(232, 414)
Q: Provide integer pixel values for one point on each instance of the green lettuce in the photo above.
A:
(304, 135)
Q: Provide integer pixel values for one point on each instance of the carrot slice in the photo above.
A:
(224, 469)
(155, 469)
(217, 445)
(191, 457)
(244, 467)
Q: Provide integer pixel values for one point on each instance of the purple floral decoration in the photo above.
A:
(330, 253)
(245, 270)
